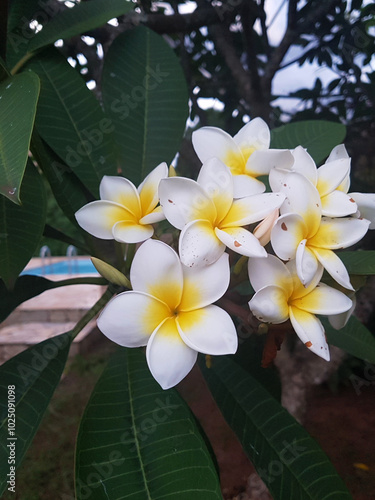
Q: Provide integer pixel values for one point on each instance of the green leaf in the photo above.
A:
(4, 73)
(288, 460)
(145, 94)
(359, 262)
(19, 96)
(71, 121)
(354, 338)
(21, 226)
(28, 286)
(319, 137)
(34, 374)
(138, 441)
(83, 17)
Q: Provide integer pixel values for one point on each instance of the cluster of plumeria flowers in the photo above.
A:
(307, 216)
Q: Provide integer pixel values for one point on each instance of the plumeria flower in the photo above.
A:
(209, 217)
(170, 310)
(302, 233)
(280, 296)
(124, 213)
(328, 179)
(247, 154)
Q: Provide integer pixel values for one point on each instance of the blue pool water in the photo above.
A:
(79, 266)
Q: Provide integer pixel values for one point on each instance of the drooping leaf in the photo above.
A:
(354, 338)
(319, 137)
(288, 460)
(31, 378)
(83, 17)
(71, 121)
(26, 287)
(18, 100)
(138, 441)
(145, 94)
(21, 226)
(359, 262)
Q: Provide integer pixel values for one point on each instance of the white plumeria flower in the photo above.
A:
(247, 154)
(209, 217)
(281, 296)
(170, 310)
(328, 180)
(302, 233)
(124, 213)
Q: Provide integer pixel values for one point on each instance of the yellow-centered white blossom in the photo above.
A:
(280, 296)
(247, 154)
(209, 217)
(124, 213)
(170, 310)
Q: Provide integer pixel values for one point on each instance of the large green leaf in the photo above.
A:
(359, 262)
(145, 94)
(28, 286)
(19, 96)
(83, 17)
(318, 136)
(140, 442)
(354, 338)
(71, 121)
(27, 381)
(288, 460)
(21, 226)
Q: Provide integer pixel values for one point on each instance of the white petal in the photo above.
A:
(156, 270)
(270, 305)
(334, 266)
(300, 290)
(331, 175)
(184, 200)
(334, 233)
(366, 206)
(205, 285)
(156, 215)
(269, 271)
(277, 178)
(338, 321)
(209, 330)
(286, 235)
(217, 181)
(121, 191)
(325, 300)
(254, 134)
(251, 209)
(130, 318)
(245, 185)
(337, 153)
(241, 241)
(148, 189)
(199, 245)
(302, 198)
(99, 217)
(168, 357)
(306, 263)
(130, 232)
(338, 204)
(210, 142)
(261, 162)
(310, 330)
(304, 164)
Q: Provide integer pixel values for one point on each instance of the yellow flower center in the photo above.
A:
(237, 162)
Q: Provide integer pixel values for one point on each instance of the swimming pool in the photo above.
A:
(76, 266)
